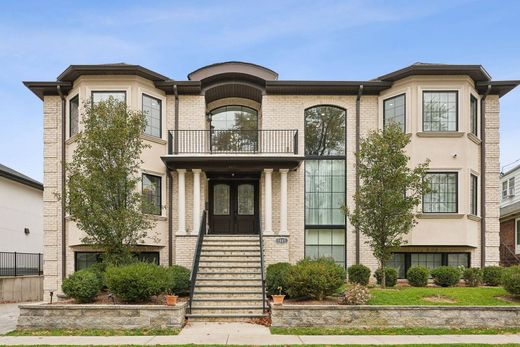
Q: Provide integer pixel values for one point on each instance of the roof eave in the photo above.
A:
(42, 89)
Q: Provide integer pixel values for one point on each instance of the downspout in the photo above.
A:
(483, 178)
(358, 129)
(63, 191)
(170, 180)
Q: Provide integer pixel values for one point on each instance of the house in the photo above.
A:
(275, 158)
(510, 217)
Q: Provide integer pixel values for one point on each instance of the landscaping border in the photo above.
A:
(372, 316)
(53, 316)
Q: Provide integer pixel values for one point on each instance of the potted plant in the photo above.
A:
(171, 299)
(278, 298)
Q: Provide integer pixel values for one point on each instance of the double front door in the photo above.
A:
(233, 206)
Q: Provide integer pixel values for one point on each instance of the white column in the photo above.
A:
(283, 201)
(268, 203)
(181, 204)
(196, 200)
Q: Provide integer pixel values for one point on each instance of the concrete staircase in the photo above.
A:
(228, 286)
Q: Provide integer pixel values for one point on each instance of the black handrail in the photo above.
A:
(264, 297)
(196, 258)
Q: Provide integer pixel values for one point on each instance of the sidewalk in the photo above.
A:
(250, 334)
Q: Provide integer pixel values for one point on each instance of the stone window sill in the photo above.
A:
(473, 138)
(72, 139)
(156, 217)
(440, 134)
(153, 139)
(440, 215)
(473, 217)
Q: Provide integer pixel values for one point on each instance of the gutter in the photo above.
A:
(483, 178)
(358, 129)
(63, 191)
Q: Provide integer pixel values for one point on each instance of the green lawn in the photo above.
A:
(93, 332)
(390, 331)
(486, 296)
(410, 345)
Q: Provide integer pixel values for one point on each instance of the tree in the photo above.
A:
(389, 193)
(324, 131)
(101, 187)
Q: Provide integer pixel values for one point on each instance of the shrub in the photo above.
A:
(418, 276)
(82, 286)
(472, 276)
(511, 280)
(492, 275)
(446, 276)
(315, 279)
(98, 269)
(137, 282)
(355, 295)
(390, 276)
(358, 274)
(276, 276)
(178, 280)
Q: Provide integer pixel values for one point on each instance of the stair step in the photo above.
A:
(198, 310)
(228, 266)
(232, 255)
(227, 279)
(216, 285)
(224, 315)
(241, 282)
(227, 295)
(228, 302)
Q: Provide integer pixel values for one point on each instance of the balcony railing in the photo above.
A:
(233, 141)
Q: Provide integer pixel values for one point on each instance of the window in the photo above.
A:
(83, 260)
(474, 194)
(402, 262)
(328, 243)
(394, 110)
(458, 259)
(398, 263)
(508, 188)
(517, 236)
(474, 115)
(428, 260)
(504, 189)
(512, 186)
(234, 129)
(151, 189)
(152, 108)
(325, 131)
(440, 111)
(74, 116)
(104, 95)
(443, 197)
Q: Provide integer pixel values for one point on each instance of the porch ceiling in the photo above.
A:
(216, 163)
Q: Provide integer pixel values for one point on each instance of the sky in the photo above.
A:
(302, 40)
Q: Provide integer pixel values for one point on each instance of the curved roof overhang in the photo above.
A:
(239, 67)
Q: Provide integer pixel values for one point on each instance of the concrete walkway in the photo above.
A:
(250, 334)
(8, 316)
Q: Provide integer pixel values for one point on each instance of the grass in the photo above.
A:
(93, 332)
(409, 345)
(483, 296)
(390, 331)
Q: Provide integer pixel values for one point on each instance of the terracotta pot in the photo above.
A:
(171, 300)
(278, 299)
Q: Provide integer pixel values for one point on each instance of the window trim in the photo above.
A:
(160, 191)
(160, 114)
(471, 99)
(92, 92)
(517, 245)
(473, 194)
(444, 258)
(394, 97)
(456, 193)
(76, 97)
(456, 110)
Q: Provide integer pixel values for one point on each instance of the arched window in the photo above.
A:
(324, 131)
(234, 129)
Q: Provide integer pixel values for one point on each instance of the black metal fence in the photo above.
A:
(21, 264)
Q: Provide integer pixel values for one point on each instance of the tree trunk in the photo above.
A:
(383, 276)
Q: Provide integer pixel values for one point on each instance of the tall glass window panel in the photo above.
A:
(474, 194)
(398, 263)
(329, 243)
(428, 260)
(324, 131)
(504, 189)
(394, 111)
(105, 95)
(440, 111)
(234, 129)
(511, 191)
(151, 186)
(246, 200)
(458, 259)
(84, 260)
(443, 195)
(324, 192)
(474, 115)
(74, 116)
(152, 108)
(221, 199)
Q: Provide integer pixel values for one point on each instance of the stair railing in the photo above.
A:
(511, 252)
(196, 257)
(264, 297)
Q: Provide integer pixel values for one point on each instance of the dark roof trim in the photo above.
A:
(499, 88)
(183, 87)
(16, 176)
(74, 71)
(41, 89)
(325, 87)
(229, 66)
(231, 163)
(476, 72)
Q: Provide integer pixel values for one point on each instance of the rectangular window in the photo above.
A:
(440, 111)
(474, 115)
(504, 189)
(458, 259)
(152, 108)
(151, 189)
(83, 260)
(98, 96)
(402, 262)
(398, 263)
(328, 243)
(428, 260)
(74, 116)
(474, 194)
(443, 197)
(394, 110)
(511, 191)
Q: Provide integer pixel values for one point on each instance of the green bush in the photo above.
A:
(178, 280)
(472, 277)
(98, 269)
(418, 276)
(83, 286)
(511, 280)
(359, 274)
(137, 282)
(492, 275)
(390, 276)
(315, 279)
(446, 276)
(276, 276)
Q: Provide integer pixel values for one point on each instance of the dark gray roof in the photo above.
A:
(476, 72)
(16, 176)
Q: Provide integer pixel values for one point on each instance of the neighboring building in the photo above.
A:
(277, 157)
(510, 217)
(21, 212)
